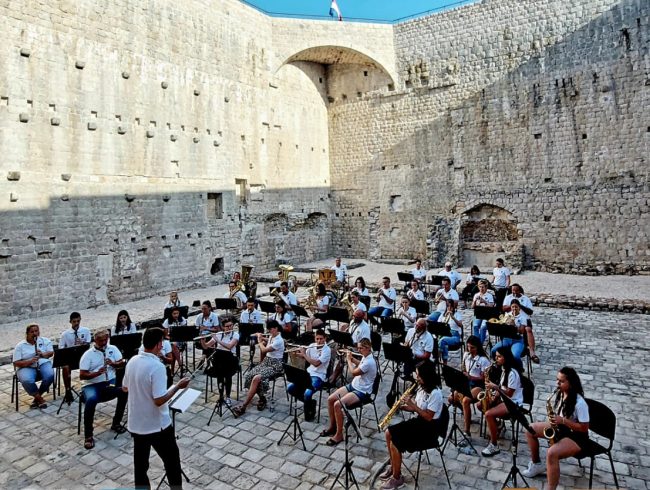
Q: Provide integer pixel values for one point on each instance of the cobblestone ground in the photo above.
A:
(42, 449)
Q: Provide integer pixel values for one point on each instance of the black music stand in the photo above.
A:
(438, 330)
(127, 343)
(436, 280)
(393, 326)
(486, 312)
(406, 277)
(501, 331)
(301, 381)
(225, 304)
(300, 311)
(267, 307)
(398, 354)
(69, 356)
(341, 338)
(167, 314)
(459, 383)
(421, 306)
(350, 479)
(365, 300)
(246, 336)
(339, 315)
(185, 334)
(219, 360)
(517, 417)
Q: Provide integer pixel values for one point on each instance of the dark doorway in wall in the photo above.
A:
(217, 266)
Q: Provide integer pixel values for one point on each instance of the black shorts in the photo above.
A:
(580, 438)
(413, 435)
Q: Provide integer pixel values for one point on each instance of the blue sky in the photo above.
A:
(364, 9)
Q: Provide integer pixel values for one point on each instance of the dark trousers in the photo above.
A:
(164, 443)
(97, 393)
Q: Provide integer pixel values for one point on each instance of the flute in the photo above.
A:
(348, 351)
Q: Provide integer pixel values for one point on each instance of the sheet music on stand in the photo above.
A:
(183, 400)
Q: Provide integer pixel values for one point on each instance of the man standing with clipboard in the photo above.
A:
(149, 421)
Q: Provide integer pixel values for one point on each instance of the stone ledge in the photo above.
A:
(586, 303)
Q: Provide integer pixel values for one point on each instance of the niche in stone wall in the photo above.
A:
(488, 232)
(275, 229)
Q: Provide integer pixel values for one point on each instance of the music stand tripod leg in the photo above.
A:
(514, 470)
(75, 396)
(350, 479)
(455, 428)
(164, 477)
(220, 403)
(295, 424)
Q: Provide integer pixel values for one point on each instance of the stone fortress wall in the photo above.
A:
(517, 129)
(148, 146)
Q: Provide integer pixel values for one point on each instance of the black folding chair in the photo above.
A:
(602, 422)
(371, 400)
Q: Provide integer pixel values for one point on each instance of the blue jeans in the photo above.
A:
(516, 347)
(102, 392)
(316, 384)
(380, 311)
(433, 317)
(479, 328)
(28, 377)
(447, 342)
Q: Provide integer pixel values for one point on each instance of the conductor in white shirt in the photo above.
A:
(149, 421)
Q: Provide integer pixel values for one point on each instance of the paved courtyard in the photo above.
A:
(41, 449)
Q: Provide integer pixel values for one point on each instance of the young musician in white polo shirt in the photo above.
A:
(75, 335)
(364, 371)
(318, 356)
(419, 273)
(97, 371)
(149, 421)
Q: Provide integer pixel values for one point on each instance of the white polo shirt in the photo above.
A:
(146, 379)
(523, 301)
(277, 343)
(514, 383)
(359, 331)
(453, 276)
(69, 339)
(181, 322)
(419, 295)
(476, 365)
(430, 401)
(359, 306)
(211, 321)
(93, 360)
(131, 328)
(500, 276)
(419, 343)
(410, 312)
(166, 349)
(250, 316)
(364, 381)
(226, 338)
(323, 355)
(25, 350)
(239, 294)
(392, 294)
(419, 274)
(451, 294)
(362, 292)
(340, 272)
(280, 318)
(290, 299)
(453, 326)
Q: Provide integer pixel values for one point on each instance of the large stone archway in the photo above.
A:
(487, 232)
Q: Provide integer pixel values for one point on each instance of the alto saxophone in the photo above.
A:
(551, 432)
(393, 410)
(486, 396)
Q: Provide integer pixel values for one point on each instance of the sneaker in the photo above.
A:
(534, 469)
(490, 450)
(393, 483)
(386, 475)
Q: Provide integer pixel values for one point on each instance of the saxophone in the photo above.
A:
(309, 303)
(486, 396)
(551, 432)
(393, 410)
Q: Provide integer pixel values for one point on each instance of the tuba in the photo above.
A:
(504, 318)
(248, 285)
(291, 279)
(346, 302)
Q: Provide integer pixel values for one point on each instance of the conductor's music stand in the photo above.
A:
(220, 359)
(517, 417)
(301, 381)
(68, 356)
(185, 334)
(350, 479)
(167, 314)
(459, 383)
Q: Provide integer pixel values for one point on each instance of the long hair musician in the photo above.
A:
(225, 340)
(568, 415)
(257, 379)
(415, 433)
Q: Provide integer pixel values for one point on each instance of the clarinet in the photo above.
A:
(105, 363)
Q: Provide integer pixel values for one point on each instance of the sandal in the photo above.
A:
(89, 443)
(261, 404)
(238, 411)
(327, 433)
(332, 442)
(535, 359)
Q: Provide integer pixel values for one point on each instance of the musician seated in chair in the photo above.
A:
(415, 292)
(341, 272)
(442, 295)
(482, 298)
(406, 313)
(386, 297)
(207, 320)
(420, 341)
(176, 320)
(364, 371)
(289, 328)
(237, 294)
(569, 418)
(320, 308)
(225, 340)
(521, 322)
(359, 329)
(454, 319)
(510, 383)
(318, 356)
(471, 284)
(75, 335)
(526, 306)
(452, 274)
(174, 300)
(166, 355)
(97, 371)
(419, 273)
(417, 433)
(360, 287)
(33, 358)
(123, 324)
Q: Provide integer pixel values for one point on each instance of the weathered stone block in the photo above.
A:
(13, 175)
